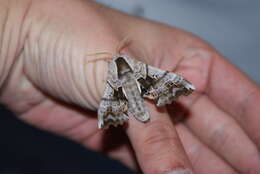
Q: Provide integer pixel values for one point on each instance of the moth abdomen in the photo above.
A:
(136, 103)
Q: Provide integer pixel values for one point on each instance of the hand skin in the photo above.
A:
(47, 80)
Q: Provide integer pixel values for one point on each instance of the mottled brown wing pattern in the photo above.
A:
(165, 87)
(129, 82)
(112, 109)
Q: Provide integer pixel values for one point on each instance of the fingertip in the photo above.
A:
(157, 146)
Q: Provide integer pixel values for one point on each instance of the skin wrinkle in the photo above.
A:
(65, 61)
(252, 97)
(47, 75)
(33, 41)
(24, 115)
(75, 130)
(218, 137)
(84, 84)
(104, 73)
(95, 77)
(31, 51)
(24, 93)
(87, 71)
(210, 74)
(5, 15)
(75, 125)
(72, 66)
(85, 140)
(89, 96)
(59, 50)
(94, 142)
(3, 50)
(28, 51)
(3, 31)
(26, 111)
(52, 76)
(21, 35)
(38, 56)
(101, 75)
(91, 79)
(57, 64)
(50, 122)
(196, 155)
(40, 60)
(156, 138)
(96, 95)
(23, 30)
(245, 103)
(73, 76)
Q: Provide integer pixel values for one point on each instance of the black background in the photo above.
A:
(27, 150)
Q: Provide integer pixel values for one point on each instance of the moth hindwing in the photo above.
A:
(130, 81)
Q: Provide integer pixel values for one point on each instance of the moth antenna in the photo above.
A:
(106, 56)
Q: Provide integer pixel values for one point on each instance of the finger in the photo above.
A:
(157, 146)
(199, 154)
(222, 134)
(232, 91)
(56, 61)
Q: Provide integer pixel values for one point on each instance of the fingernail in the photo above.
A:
(180, 171)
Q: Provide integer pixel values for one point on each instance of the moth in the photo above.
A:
(130, 81)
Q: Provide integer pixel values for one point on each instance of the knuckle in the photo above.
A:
(158, 132)
(245, 104)
(158, 136)
(194, 153)
(220, 137)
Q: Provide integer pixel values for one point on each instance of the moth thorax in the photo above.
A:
(122, 66)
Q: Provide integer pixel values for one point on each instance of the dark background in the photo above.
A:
(27, 150)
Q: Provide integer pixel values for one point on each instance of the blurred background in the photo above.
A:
(230, 26)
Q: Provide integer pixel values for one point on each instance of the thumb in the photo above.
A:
(55, 52)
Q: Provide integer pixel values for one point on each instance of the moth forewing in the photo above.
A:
(189, 87)
(112, 108)
(166, 86)
(129, 81)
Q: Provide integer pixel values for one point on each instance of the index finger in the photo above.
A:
(157, 145)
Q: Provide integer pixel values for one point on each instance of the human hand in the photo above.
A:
(49, 47)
